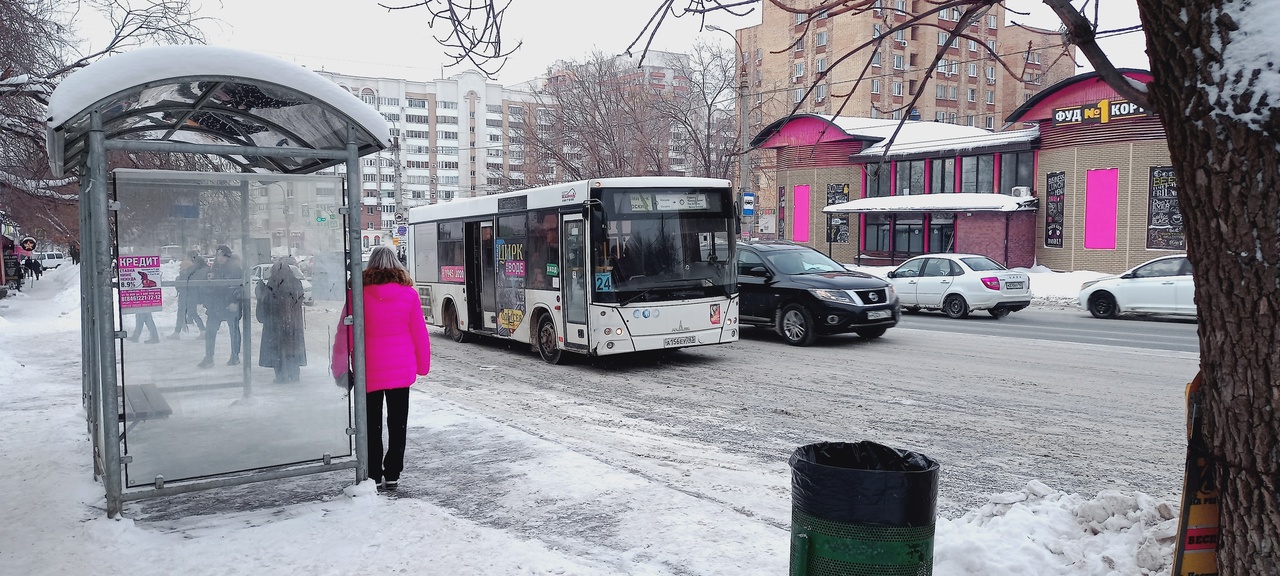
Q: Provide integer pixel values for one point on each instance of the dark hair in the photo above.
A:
(224, 250)
(193, 255)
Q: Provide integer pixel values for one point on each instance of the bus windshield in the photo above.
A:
(663, 244)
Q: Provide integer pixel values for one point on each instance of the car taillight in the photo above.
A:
(991, 282)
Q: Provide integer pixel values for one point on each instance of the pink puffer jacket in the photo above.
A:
(397, 347)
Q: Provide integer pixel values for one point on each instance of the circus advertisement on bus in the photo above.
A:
(509, 248)
(140, 284)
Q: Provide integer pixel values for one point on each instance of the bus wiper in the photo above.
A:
(657, 284)
(637, 296)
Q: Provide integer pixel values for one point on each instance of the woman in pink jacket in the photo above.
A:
(397, 350)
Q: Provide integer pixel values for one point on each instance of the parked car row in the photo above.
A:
(801, 293)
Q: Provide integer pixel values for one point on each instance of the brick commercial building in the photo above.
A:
(787, 54)
(1086, 186)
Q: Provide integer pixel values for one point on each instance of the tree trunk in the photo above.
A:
(1225, 153)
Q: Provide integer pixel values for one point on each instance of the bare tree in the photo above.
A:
(704, 108)
(40, 49)
(1214, 73)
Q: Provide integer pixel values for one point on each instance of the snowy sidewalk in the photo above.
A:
(468, 477)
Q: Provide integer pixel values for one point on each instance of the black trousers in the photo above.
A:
(390, 465)
(211, 334)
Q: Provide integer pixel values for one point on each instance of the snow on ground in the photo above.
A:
(53, 521)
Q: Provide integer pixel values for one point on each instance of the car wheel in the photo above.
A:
(955, 306)
(796, 325)
(871, 333)
(1103, 305)
(547, 340)
(452, 328)
(998, 313)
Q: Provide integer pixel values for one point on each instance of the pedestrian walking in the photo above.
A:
(223, 303)
(195, 268)
(34, 268)
(141, 319)
(397, 350)
(279, 298)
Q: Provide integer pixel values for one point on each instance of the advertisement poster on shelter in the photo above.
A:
(1164, 219)
(140, 284)
(837, 224)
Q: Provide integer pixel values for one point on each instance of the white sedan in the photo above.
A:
(960, 283)
(1160, 286)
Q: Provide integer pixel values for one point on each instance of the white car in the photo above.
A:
(265, 269)
(960, 283)
(51, 260)
(1160, 286)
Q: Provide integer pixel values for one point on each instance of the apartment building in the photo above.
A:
(791, 65)
(450, 140)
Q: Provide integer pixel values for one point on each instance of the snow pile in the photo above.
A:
(1043, 531)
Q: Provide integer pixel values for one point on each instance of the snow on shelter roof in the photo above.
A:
(915, 138)
(958, 202)
(211, 95)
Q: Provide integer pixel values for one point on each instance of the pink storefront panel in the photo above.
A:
(800, 221)
(1101, 193)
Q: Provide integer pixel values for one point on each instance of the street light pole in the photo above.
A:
(743, 167)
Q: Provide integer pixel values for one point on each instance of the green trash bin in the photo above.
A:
(862, 509)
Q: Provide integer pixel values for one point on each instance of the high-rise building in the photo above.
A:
(791, 63)
(449, 141)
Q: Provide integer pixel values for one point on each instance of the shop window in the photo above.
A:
(876, 233)
(910, 177)
(908, 235)
(943, 178)
(1100, 197)
(1016, 169)
(878, 180)
(978, 174)
(942, 233)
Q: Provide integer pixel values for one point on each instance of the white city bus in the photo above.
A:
(595, 267)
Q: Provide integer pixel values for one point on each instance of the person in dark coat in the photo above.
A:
(279, 310)
(190, 296)
(223, 303)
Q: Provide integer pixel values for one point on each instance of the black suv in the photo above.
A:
(802, 293)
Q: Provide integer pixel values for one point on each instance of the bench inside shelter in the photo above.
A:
(143, 402)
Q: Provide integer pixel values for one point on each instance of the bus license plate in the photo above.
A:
(878, 314)
(680, 341)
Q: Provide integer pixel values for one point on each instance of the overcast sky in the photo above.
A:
(359, 37)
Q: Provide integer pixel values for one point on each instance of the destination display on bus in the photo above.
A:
(650, 201)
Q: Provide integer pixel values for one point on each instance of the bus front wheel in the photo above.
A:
(452, 328)
(547, 340)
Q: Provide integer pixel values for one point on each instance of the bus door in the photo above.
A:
(481, 300)
(573, 288)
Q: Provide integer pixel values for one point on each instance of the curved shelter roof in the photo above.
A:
(1080, 89)
(212, 96)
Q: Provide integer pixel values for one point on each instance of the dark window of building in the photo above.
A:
(978, 174)
(942, 233)
(878, 180)
(1017, 169)
(943, 176)
(877, 233)
(910, 177)
(908, 235)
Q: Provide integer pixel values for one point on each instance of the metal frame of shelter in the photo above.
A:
(297, 122)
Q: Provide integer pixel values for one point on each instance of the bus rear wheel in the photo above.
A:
(452, 328)
(547, 340)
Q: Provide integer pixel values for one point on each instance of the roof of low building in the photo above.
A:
(958, 202)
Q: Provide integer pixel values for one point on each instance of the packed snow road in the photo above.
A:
(711, 423)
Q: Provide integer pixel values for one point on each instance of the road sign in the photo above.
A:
(402, 230)
(748, 204)
(28, 243)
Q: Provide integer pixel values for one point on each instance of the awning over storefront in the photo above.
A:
(960, 202)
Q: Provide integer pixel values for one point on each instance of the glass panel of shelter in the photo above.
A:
(226, 363)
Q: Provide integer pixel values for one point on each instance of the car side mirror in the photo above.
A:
(759, 271)
(1128, 276)
(892, 274)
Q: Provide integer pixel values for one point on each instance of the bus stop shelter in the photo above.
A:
(210, 299)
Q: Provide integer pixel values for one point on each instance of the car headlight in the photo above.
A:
(833, 296)
(1088, 284)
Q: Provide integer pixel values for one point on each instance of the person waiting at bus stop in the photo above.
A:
(223, 304)
(397, 350)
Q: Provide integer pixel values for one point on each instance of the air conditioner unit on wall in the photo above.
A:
(1021, 191)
